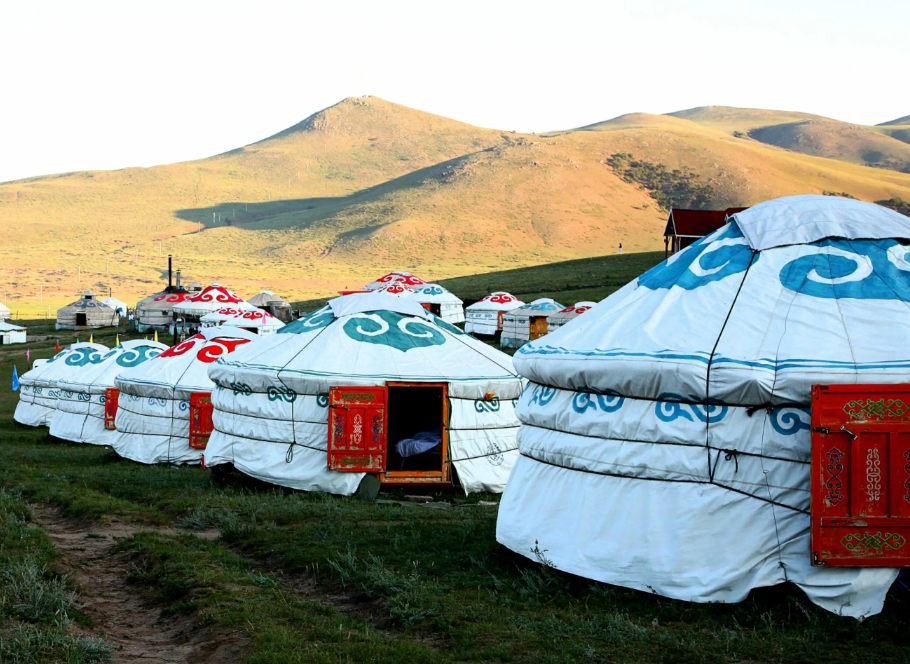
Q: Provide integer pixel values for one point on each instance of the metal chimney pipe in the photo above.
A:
(178, 279)
(170, 266)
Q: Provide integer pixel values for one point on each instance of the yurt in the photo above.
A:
(86, 313)
(159, 398)
(369, 385)
(397, 289)
(12, 334)
(405, 278)
(38, 389)
(117, 305)
(274, 304)
(5, 313)
(485, 315)
(527, 322)
(210, 299)
(255, 320)
(82, 401)
(563, 316)
(440, 302)
(666, 434)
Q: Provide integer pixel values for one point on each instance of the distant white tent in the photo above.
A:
(153, 415)
(38, 389)
(563, 316)
(82, 395)
(268, 301)
(210, 299)
(440, 302)
(4, 312)
(527, 322)
(12, 334)
(255, 320)
(437, 399)
(485, 316)
(404, 278)
(666, 436)
(117, 305)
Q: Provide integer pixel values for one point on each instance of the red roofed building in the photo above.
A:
(686, 226)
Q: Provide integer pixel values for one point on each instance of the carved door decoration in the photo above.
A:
(860, 475)
(357, 429)
(201, 425)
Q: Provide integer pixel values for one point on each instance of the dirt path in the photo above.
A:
(121, 616)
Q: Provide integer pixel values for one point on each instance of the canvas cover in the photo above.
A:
(212, 298)
(117, 305)
(38, 389)
(404, 278)
(81, 402)
(563, 316)
(154, 407)
(265, 299)
(271, 398)
(450, 306)
(483, 317)
(253, 319)
(516, 324)
(157, 311)
(4, 312)
(665, 438)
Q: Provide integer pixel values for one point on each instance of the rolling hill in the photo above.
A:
(366, 186)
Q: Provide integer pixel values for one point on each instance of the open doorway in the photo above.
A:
(538, 327)
(81, 320)
(416, 416)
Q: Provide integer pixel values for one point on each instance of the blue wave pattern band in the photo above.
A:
(608, 403)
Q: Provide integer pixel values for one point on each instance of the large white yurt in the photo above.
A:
(405, 278)
(86, 313)
(527, 322)
(665, 440)
(485, 315)
(210, 299)
(563, 316)
(274, 304)
(255, 320)
(153, 411)
(83, 394)
(4, 312)
(410, 399)
(38, 389)
(440, 302)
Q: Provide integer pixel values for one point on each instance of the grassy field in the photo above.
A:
(368, 186)
(265, 575)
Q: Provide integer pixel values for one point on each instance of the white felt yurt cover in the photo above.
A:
(81, 401)
(117, 305)
(516, 324)
(271, 399)
(255, 320)
(665, 439)
(4, 311)
(153, 410)
(483, 317)
(451, 308)
(563, 316)
(38, 389)
(212, 298)
(396, 288)
(404, 278)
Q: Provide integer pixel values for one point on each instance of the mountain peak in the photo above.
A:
(899, 121)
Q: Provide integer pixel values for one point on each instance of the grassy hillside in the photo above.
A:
(367, 186)
(898, 121)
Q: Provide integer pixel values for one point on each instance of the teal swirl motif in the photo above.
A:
(310, 323)
(542, 395)
(83, 397)
(83, 356)
(448, 327)
(133, 357)
(673, 410)
(281, 393)
(392, 329)
(322, 400)
(490, 406)
(608, 403)
(789, 421)
(241, 388)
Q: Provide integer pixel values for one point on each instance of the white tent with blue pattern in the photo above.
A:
(272, 398)
(527, 322)
(153, 412)
(38, 388)
(82, 395)
(665, 439)
(440, 302)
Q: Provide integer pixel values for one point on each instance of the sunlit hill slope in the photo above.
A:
(367, 185)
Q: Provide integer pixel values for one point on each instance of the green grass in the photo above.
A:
(319, 578)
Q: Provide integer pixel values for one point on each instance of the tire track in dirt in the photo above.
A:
(122, 617)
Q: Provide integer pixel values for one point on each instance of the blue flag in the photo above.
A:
(15, 380)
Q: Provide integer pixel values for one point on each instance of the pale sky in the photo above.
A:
(102, 85)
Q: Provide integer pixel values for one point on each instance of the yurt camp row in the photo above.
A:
(735, 418)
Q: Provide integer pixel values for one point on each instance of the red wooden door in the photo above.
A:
(357, 429)
(499, 316)
(201, 426)
(860, 492)
(111, 401)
